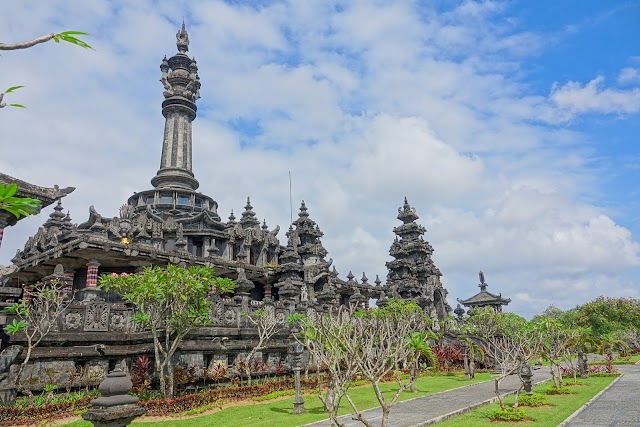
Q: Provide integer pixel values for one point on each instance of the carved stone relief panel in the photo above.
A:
(73, 320)
(96, 317)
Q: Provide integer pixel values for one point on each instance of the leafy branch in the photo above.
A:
(65, 36)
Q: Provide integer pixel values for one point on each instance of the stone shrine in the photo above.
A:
(173, 223)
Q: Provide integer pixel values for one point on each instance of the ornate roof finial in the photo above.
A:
(364, 279)
(232, 218)
(182, 39)
(303, 210)
(264, 224)
(483, 285)
(377, 281)
(350, 276)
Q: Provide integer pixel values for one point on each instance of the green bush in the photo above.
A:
(559, 390)
(535, 399)
(508, 415)
(274, 395)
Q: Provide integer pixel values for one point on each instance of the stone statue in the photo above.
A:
(168, 89)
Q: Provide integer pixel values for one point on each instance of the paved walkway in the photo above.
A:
(426, 410)
(618, 406)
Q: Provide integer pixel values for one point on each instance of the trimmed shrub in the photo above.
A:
(509, 414)
(559, 390)
(535, 399)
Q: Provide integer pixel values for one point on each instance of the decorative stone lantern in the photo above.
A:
(115, 407)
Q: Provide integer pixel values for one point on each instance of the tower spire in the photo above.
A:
(181, 90)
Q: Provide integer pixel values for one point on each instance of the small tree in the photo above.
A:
(374, 344)
(37, 312)
(417, 343)
(512, 343)
(382, 347)
(169, 302)
(267, 326)
(325, 339)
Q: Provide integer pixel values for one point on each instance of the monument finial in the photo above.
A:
(182, 39)
(483, 284)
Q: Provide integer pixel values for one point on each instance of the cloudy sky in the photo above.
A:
(511, 126)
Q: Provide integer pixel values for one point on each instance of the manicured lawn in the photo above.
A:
(278, 413)
(551, 416)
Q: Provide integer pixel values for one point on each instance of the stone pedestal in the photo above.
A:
(115, 408)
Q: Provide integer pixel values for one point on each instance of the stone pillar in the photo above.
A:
(267, 293)
(115, 408)
(295, 351)
(70, 275)
(90, 292)
(366, 305)
(92, 273)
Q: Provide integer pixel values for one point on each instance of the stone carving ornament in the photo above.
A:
(118, 321)
(97, 317)
(73, 320)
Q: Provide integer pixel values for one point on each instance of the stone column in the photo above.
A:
(267, 293)
(70, 275)
(90, 291)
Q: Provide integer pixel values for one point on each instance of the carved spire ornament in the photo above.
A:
(181, 90)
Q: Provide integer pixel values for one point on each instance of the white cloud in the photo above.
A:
(576, 98)
(363, 107)
(629, 75)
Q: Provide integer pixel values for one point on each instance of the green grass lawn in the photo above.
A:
(278, 413)
(551, 416)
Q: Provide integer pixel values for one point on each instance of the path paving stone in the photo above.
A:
(429, 409)
(616, 407)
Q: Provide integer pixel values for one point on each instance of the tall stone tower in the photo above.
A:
(412, 274)
(181, 90)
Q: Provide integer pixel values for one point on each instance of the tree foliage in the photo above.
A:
(169, 302)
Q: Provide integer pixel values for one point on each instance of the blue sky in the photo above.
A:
(510, 126)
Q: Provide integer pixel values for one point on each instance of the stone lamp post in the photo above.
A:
(295, 350)
(115, 407)
(526, 372)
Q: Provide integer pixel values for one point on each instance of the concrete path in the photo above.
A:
(427, 410)
(617, 406)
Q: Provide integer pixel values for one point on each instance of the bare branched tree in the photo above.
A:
(375, 344)
(325, 339)
(42, 304)
(512, 343)
(267, 326)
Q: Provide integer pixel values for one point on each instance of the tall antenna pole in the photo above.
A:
(290, 200)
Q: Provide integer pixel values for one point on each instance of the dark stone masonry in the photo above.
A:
(173, 223)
